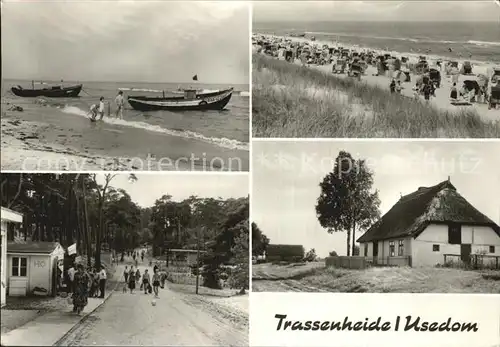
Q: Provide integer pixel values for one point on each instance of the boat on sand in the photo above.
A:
(191, 100)
(52, 92)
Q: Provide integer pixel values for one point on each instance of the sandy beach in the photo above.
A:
(441, 99)
(45, 138)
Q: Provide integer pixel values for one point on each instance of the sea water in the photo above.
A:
(228, 128)
(460, 40)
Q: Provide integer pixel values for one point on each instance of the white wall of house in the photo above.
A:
(39, 272)
(480, 238)
(4, 263)
(384, 254)
(6, 216)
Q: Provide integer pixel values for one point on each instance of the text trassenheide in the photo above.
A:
(408, 323)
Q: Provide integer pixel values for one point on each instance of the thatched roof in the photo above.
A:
(413, 212)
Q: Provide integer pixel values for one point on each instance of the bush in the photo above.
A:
(333, 254)
(311, 256)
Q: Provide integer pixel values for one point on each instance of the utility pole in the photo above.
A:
(179, 231)
(198, 259)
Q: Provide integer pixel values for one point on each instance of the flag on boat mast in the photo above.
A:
(195, 78)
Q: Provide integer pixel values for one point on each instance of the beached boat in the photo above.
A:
(190, 101)
(199, 94)
(53, 92)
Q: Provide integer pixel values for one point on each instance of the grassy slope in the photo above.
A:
(314, 277)
(283, 106)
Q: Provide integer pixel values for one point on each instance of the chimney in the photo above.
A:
(448, 178)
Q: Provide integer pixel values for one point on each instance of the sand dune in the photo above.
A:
(441, 100)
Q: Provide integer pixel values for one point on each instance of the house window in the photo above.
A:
(19, 266)
(492, 249)
(366, 250)
(401, 248)
(391, 248)
(435, 248)
(454, 234)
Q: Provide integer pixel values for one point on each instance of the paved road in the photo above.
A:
(131, 319)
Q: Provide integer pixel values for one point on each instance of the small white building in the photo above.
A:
(184, 256)
(7, 216)
(431, 226)
(33, 265)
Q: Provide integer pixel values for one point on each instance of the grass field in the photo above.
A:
(315, 277)
(289, 100)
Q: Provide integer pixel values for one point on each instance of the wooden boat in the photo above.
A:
(53, 92)
(199, 94)
(190, 101)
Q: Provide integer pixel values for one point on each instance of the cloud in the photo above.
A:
(375, 11)
(126, 41)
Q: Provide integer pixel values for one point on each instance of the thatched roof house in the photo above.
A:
(431, 222)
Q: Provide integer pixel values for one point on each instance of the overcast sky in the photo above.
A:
(180, 186)
(375, 10)
(284, 195)
(146, 41)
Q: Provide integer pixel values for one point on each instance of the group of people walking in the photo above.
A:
(84, 284)
(148, 283)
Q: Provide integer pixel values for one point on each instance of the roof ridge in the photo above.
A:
(422, 190)
(424, 205)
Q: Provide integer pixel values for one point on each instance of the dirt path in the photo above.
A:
(177, 319)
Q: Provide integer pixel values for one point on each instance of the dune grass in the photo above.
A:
(289, 100)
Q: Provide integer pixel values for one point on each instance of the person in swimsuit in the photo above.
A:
(145, 281)
(119, 104)
(156, 282)
(131, 280)
(101, 108)
(93, 112)
(454, 93)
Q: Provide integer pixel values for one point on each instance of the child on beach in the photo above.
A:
(398, 87)
(101, 107)
(392, 86)
(93, 111)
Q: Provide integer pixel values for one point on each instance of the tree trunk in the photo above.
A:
(86, 229)
(348, 242)
(353, 236)
(99, 233)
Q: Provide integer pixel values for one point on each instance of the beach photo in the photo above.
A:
(384, 69)
(124, 259)
(376, 217)
(125, 86)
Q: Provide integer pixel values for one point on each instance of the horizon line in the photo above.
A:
(379, 20)
(104, 81)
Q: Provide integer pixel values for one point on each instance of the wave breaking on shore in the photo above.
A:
(220, 142)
